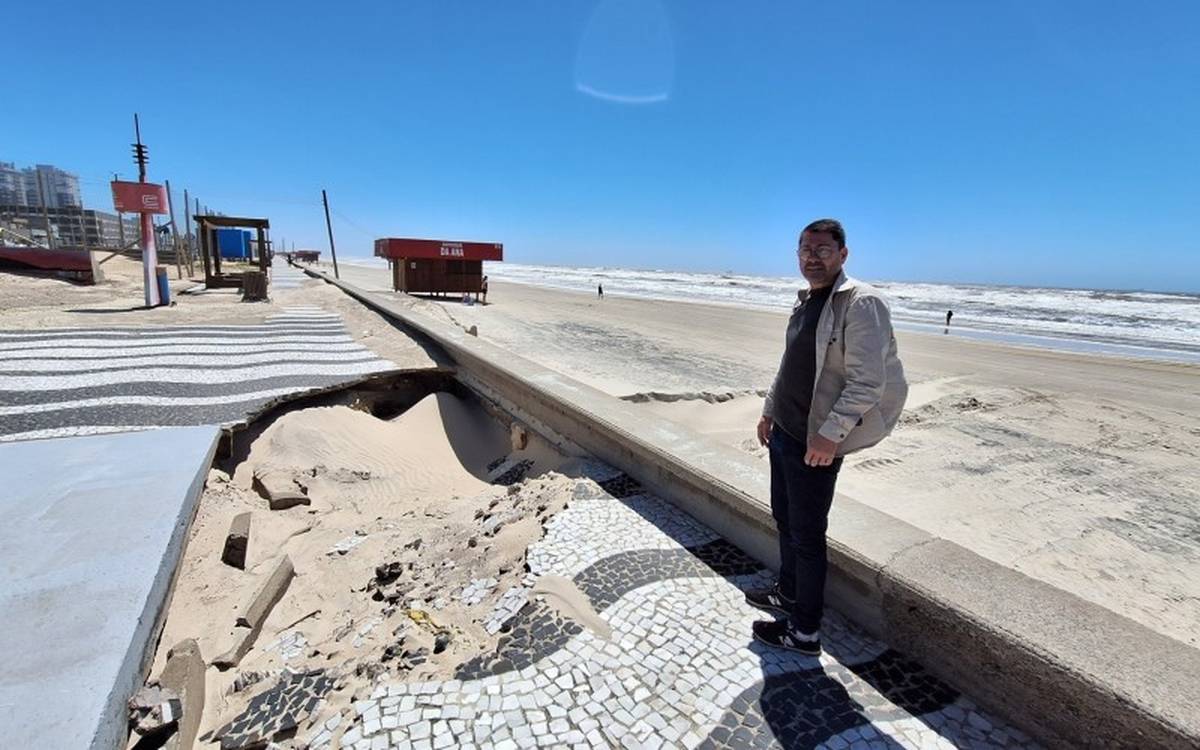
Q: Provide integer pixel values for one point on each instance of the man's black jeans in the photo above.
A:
(800, 500)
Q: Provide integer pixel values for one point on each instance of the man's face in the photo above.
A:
(820, 258)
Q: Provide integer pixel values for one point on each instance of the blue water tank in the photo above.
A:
(234, 243)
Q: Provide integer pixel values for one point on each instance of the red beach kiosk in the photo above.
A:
(437, 266)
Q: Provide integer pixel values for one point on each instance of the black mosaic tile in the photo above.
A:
(276, 711)
(621, 486)
(805, 708)
(534, 632)
(514, 474)
(606, 581)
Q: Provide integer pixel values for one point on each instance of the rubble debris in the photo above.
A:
(387, 573)
(496, 521)
(278, 488)
(291, 625)
(184, 675)
(154, 711)
(441, 641)
(518, 437)
(365, 629)
(476, 590)
(289, 645)
(347, 544)
(510, 604)
(370, 670)
(243, 639)
(246, 679)
(250, 623)
(406, 658)
(276, 712)
(270, 593)
(237, 541)
(322, 734)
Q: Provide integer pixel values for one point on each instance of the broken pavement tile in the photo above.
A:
(154, 710)
(237, 541)
(276, 711)
(280, 491)
(184, 674)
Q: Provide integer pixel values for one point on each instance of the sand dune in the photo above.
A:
(414, 494)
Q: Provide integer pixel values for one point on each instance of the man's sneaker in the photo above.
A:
(771, 599)
(780, 634)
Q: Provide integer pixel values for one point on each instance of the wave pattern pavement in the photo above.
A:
(76, 381)
(678, 668)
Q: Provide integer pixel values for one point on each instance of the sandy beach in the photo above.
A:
(1075, 469)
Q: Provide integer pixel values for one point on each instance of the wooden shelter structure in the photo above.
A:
(207, 226)
(437, 266)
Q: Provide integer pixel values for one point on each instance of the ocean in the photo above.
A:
(1154, 325)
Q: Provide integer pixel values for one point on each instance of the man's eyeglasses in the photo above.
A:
(824, 252)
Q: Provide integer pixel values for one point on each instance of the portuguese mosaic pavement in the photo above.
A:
(678, 667)
(60, 382)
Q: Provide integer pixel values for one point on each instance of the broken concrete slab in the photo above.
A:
(249, 623)
(237, 541)
(278, 488)
(88, 520)
(184, 675)
(154, 711)
(268, 595)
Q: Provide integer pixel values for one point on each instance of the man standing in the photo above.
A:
(840, 388)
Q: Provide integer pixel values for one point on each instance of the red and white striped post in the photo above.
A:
(145, 199)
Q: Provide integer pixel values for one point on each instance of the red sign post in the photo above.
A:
(139, 197)
(144, 199)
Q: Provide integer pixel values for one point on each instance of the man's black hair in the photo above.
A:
(832, 227)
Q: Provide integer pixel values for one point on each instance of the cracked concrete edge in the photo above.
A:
(114, 724)
(1067, 671)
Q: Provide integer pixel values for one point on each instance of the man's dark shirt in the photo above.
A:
(798, 372)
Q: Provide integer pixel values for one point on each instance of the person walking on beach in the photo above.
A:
(483, 289)
(840, 388)
(600, 291)
(949, 315)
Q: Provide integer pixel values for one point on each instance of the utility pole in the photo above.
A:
(120, 220)
(174, 233)
(149, 251)
(45, 211)
(329, 228)
(187, 232)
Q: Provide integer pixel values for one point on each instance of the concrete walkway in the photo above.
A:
(77, 381)
(285, 276)
(93, 529)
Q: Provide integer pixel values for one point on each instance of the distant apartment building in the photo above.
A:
(12, 185)
(69, 226)
(33, 185)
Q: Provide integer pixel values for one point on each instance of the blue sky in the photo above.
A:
(1005, 142)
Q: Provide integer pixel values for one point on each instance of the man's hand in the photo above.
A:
(820, 451)
(764, 430)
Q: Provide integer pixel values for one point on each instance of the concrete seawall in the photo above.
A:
(1067, 671)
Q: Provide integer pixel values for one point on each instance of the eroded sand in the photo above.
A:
(410, 494)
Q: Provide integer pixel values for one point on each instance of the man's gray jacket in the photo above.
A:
(859, 388)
